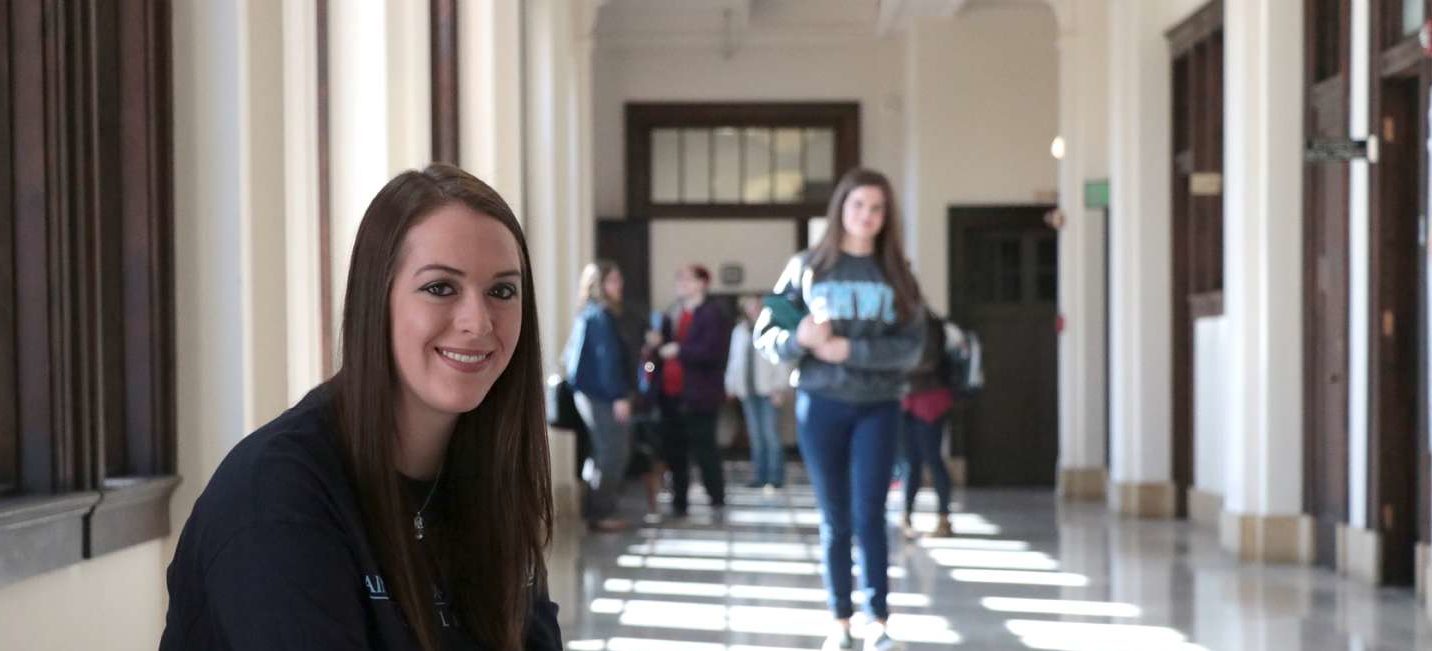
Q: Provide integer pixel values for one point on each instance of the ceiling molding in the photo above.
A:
(752, 39)
(728, 23)
(899, 15)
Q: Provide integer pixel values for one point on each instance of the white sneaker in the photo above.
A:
(876, 639)
(839, 641)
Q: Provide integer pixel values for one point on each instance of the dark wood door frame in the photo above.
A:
(1396, 459)
(443, 54)
(969, 416)
(1325, 442)
(1196, 242)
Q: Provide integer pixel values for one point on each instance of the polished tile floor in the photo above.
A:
(1023, 572)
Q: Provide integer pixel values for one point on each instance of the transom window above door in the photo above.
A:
(742, 165)
(737, 160)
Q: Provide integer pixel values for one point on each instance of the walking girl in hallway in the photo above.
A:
(600, 369)
(926, 411)
(861, 335)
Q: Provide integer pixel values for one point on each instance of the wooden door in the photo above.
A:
(1326, 319)
(1196, 245)
(627, 242)
(1393, 438)
(1004, 285)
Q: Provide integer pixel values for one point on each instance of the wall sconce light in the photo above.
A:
(1056, 148)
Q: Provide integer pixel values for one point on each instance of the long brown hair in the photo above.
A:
(591, 287)
(497, 479)
(889, 243)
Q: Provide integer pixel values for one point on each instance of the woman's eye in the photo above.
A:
(504, 292)
(439, 289)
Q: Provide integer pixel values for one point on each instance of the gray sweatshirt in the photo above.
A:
(860, 305)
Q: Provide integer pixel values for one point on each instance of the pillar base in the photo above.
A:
(1204, 508)
(1083, 484)
(1359, 554)
(1420, 579)
(1148, 500)
(1267, 538)
(1424, 576)
(566, 492)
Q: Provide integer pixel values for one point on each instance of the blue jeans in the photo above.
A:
(922, 448)
(767, 457)
(848, 449)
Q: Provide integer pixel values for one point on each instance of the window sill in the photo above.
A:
(130, 511)
(43, 533)
(47, 532)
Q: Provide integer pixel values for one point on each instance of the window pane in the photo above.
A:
(819, 164)
(1328, 56)
(789, 175)
(1413, 13)
(1047, 279)
(665, 166)
(726, 177)
(1009, 270)
(696, 166)
(757, 161)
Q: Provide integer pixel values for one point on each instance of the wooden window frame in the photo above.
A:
(642, 118)
(86, 160)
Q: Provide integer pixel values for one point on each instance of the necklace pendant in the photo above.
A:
(418, 525)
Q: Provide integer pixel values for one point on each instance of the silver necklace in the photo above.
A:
(418, 517)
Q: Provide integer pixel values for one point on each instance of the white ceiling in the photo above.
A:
(731, 23)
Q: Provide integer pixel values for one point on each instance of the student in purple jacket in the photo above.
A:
(692, 345)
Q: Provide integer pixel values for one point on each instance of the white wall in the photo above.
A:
(116, 601)
(984, 102)
(1083, 125)
(760, 246)
(1209, 378)
(865, 70)
(1140, 299)
(956, 110)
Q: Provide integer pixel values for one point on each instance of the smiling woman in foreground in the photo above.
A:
(406, 502)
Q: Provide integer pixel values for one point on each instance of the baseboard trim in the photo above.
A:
(1420, 579)
(1267, 538)
(1204, 508)
(1146, 500)
(566, 491)
(1424, 576)
(1359, 554)
(1083, 484)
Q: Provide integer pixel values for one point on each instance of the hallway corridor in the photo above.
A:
(1023, 572)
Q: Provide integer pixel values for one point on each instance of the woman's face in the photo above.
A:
(863, 213)
(612, 286)
(455, 307)
(751, 306)
(686, 284)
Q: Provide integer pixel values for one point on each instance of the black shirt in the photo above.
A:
(275, 555)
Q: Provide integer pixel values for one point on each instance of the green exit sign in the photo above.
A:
(1096, 194)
